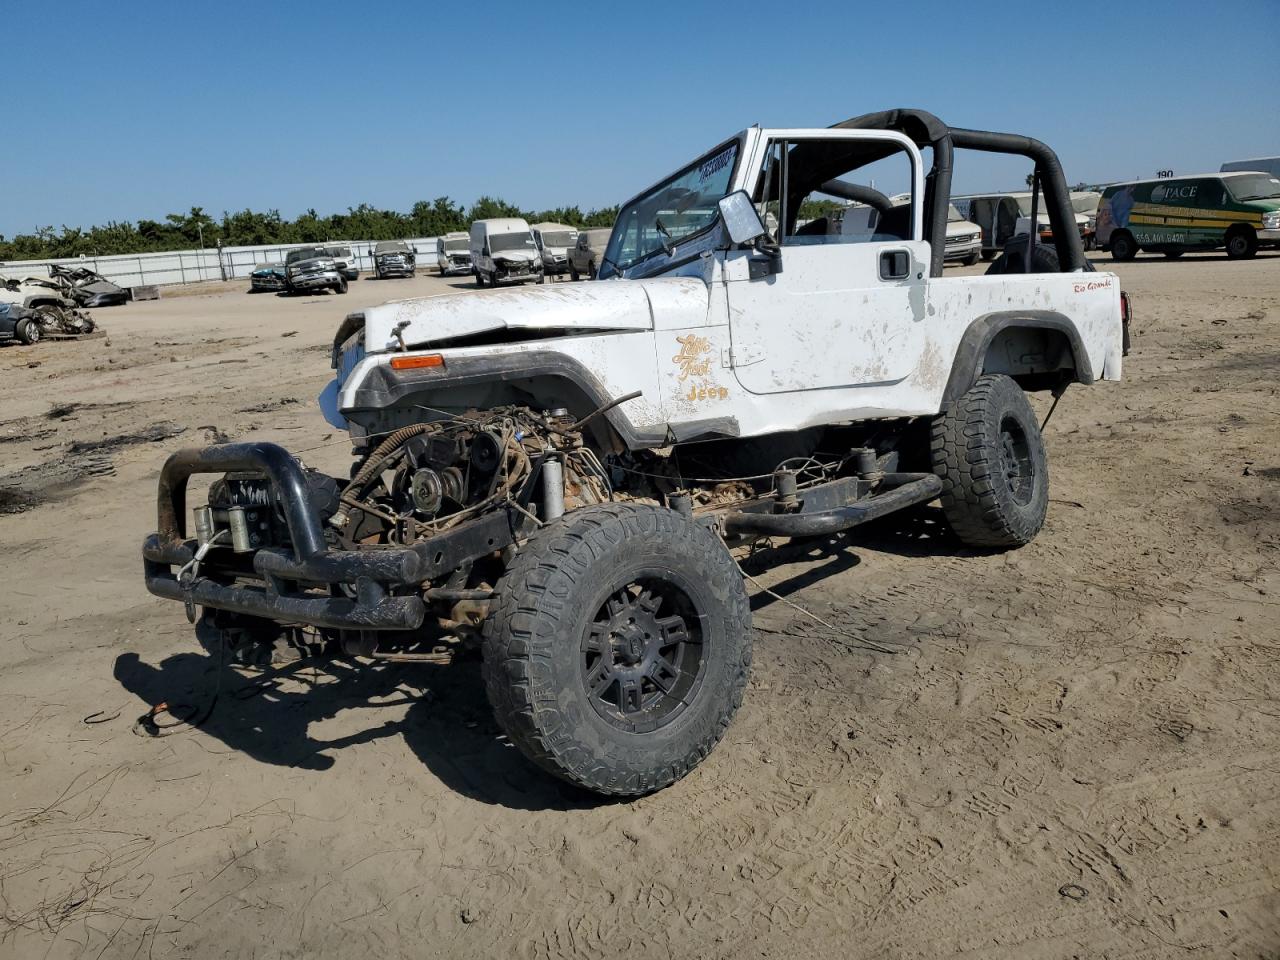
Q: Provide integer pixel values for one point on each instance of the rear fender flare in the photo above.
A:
(972, 350)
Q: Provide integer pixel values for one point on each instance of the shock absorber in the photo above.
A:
(552, 487)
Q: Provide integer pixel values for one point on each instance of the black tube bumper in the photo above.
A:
(903, 490)
(288, 578)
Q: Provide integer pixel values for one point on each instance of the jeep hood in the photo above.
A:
(562, 309)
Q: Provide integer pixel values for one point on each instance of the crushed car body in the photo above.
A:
(33, 310)
(268, 277)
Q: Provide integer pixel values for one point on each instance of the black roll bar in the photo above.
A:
(926, 130)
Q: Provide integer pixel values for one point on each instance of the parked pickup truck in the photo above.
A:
(585, 254)
(311, 268)
(557, 476)
(393, 258)
(345, 260)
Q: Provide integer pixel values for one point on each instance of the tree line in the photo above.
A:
(185, 231)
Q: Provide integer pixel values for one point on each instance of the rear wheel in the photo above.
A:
(591, 269)
(29, 331)
(1044, 258)
(1242, 243)
(479, 279)
(573, 273)
(995, 475)
(618, 647)
(1123, 246)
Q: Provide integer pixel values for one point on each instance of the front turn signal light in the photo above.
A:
(422, 362)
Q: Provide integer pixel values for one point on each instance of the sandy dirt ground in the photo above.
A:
(1070, 751)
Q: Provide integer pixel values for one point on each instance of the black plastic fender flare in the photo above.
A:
(972, 350)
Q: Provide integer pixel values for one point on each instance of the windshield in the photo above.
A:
(954, 215)
(675, 209)
(1254, 186)
(343, 252)
(558, 238)
(1086, 203)
(391, 246)
(296, 255)
(457, 245)
(504, 242)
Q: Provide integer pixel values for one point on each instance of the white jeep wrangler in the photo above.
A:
(556, 475)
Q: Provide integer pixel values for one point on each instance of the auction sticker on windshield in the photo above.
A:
(718, 162)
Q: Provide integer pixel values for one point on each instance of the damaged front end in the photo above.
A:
(420, 528)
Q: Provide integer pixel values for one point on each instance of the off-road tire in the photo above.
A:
(28, 331)
(1013, 258)
(538, 630)
(1123, 246)
(989, 453)
(1242, 243)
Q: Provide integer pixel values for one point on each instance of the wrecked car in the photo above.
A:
(311, 268)
(32, 310)
(503, 251)
(560, 477)
(267, 277)
(453, 254)
(81, 287)
(393, 258)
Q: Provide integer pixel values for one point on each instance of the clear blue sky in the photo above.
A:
(138, 109)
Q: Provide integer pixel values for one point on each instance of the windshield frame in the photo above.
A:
(612, 266)
(455, 244)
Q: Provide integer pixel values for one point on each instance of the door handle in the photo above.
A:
(895, 264)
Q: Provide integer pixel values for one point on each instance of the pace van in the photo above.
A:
(1236, 211)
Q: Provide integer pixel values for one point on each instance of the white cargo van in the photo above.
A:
(453, 254)
(1269, 165)
(554, 241)
(503, 251)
